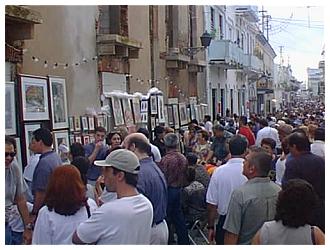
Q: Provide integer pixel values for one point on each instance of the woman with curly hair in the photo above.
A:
(66, 206)
(293, 217)
(114, 140)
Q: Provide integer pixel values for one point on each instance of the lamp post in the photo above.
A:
(205, 41)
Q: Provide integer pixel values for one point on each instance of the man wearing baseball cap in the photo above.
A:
(126, 220)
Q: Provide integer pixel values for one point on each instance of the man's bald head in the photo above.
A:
(139, 142)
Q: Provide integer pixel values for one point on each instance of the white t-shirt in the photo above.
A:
(156, 153)
(280, 169)
(127, 220)
(317, 148)
(29, 169)
(208, 126)
(52, 228)
(224, 180)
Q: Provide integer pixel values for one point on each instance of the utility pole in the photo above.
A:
(281, 55)
(262, 19)
(267, 25)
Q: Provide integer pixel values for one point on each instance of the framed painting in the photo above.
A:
(170, 115)
(61, 137)
(28, 132)
(153, 104)
(18, 151)
(10, 109)
(136, 110)
(34, 97)
(128, 115)
(161, 115)
(144, 106)
(183, 114)
(77, 138)
(152, 123)
(71, 139)
(176, 116)
(144, 117)
(101, 121)
(77, 125)
(86, 139)
(91, 138)
(117, 111)
(166, 116)
(84, 123)
(91, 126)
(58, 101)
(71, 124)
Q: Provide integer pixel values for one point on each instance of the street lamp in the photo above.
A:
(205, 40)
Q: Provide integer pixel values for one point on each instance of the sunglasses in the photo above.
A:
(11, 154)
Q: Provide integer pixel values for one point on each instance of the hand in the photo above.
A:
(27, 237)
(98, 145)
(211, 236)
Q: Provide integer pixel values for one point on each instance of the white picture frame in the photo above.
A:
(18, 152)
(153, 104)
(60, 137)
(86, 139)
(77, 138)
(136, 110)
(144, 106)
(77, 124)
(127, 109)
(91, 125)
(117, 111)
(34, 96)
(144, 117)
(28, 130)
(10, 109)
(176, 116)
(161, 113)
(84, 123)
(183, 114)
(152, 123)
(71, 124)
(58, 101)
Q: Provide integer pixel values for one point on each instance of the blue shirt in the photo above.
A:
(94, 171)
(47, 163)
(152, 184)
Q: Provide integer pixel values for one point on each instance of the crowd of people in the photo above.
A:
(245, 180)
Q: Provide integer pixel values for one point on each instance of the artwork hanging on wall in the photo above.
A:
(153, 123)
(28, 132)
(170, 115)
(176, 116)
(91, 126)
(86, 139)
(128, 115)
(136, 110)
(161, 115)
(10, 109)
(117, 111)
(58, 101)
(183, 114)
(144, 117)
(144, 106)
(71, 124)
(34, 97)
(77, 138)
(84, 122)
(77, 125)
(61, 137)
(153, 104)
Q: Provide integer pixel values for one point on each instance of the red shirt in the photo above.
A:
(246, 131)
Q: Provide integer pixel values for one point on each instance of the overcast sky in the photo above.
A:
(300, 31)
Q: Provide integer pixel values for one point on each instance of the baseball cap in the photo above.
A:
(121, 159)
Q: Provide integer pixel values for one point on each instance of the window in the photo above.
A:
(221, 27)
(212, 18)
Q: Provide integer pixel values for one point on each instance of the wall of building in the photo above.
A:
(67, 35)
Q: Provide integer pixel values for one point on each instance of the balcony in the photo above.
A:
(226, 54)
(265, 86)
(254, 63)
(176, 60)
(248, 11)
(118, 46)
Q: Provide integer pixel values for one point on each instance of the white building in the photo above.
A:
(314, 79)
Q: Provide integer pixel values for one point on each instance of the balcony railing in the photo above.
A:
(254, 63)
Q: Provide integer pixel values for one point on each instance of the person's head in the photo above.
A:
(243, 120)
(10, 150)
(120, 170)
(263, 123)
(76, 149)
(171, 141)
(238, 145)
(65, 192)
(137, 143)
(269, 145)
(203, 136)
(145, 132)
(169, 130)
(284, 130)
(218, 130)
(304, 128)
(285, 146)
(194, 121)
(192, 159)
(231, 122)
(295, 203)
(191, 173)
(298, 143)
(299, 130)
(63, 151)
(99, 134)
(159, 132)
(207, 118)
(82, 164)
(123, 132)
(42, 140)
(257, 163)
(192, 127)
(114, 139)
(311, 130)
(319, 134)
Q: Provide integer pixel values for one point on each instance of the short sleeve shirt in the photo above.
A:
(94, 171)
(47, 163)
